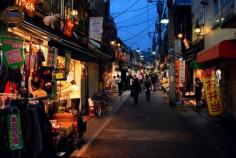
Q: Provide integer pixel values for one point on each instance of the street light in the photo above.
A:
(138, 50)
(164, 19)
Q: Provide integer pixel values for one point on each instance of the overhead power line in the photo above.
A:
(152, 19)
(131, 18)
(127, 8)
(138, 34)
(137, 9)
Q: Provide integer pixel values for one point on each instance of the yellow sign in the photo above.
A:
(212, 91)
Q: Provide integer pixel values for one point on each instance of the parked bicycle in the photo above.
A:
(102, 103)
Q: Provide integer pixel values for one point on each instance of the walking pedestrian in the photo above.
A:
(198, 92)
(148, 86)
(154, 80)
(118, 82)
(136, 89)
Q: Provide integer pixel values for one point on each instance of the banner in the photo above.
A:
(179, 73)
(14, 131)
(182, 71)
(212, 92)
(95, 28)
(12, 49)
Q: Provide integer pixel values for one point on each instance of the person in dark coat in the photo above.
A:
(198, 92)
(148, 86)
(136, 89)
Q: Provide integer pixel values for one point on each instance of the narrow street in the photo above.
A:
(150, 130)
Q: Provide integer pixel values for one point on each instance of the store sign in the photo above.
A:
(12, 17)
(182, 71)
(27, 5)
(95, 28)
(12, 52)
(14, 131)
(212, 92)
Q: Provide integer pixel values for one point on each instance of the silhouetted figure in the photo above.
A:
(136, 89)
(198, 92)
(148, 86)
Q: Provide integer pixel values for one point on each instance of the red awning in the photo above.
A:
(224, 49)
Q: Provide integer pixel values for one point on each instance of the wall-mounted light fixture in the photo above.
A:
(197, 29)
(113, 43)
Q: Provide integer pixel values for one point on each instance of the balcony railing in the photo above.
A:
(226, 11)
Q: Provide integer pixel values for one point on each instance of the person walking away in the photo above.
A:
(198, 92)
(148, 86)
(136, 88)
(154, 80)
(118, 82)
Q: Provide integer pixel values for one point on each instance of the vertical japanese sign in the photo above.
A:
(212, 92)
(182, 71)
(177, 73)
(14, 131)
(95, 28)
(12, 52)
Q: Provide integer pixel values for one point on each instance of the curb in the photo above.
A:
(117, 103)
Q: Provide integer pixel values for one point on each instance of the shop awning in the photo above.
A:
(223, 50)
(78, 52)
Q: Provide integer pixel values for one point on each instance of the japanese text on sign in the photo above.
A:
(212, 91)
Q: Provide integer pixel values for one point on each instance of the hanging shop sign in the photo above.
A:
(69, 28)
(12, 49)
(182, 71)
(52, 57)
(63, 65)
(27, 6)
(212, 91)
(12, 17)
(95, 28)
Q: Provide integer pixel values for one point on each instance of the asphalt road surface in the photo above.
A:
(150, 130)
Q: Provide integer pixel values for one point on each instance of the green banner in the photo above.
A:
(12, 49)
(15, 131)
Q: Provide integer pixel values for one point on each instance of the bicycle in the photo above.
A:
(101, 103)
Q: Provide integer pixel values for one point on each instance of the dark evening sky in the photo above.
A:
(135, 20)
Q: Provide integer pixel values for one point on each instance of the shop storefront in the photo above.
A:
(220, 59)
(32, 54)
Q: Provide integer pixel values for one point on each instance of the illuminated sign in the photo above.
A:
(212, 92)
(27, 5)
(12, 17)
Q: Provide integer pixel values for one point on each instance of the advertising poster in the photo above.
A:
(212, 92)
(12, 49)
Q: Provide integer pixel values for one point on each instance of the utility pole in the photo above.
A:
(171, 54)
